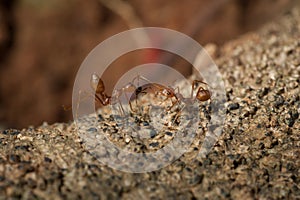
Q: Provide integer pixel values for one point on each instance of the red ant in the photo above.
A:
(157, 89)
(169, 92)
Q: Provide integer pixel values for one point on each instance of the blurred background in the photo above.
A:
(43, 43)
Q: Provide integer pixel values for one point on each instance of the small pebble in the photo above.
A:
(111, 118)
(153, 133)
(145, 123)
(278, 101)
(46, 159)
(154, 144)
(127, 139)
(196, 179)
(92, 129)
(22, 147)
(11, 132)
(233, 106)
(289, 121)
(294, 114)
(100, 118)
(14, 158)
(169, 133)
(263, 92)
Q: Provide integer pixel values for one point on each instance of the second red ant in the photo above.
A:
(169, 92)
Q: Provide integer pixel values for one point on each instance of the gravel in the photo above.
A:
(256, 157)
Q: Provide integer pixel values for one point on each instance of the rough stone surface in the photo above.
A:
(257, 156)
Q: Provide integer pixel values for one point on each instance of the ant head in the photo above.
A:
(203, 94)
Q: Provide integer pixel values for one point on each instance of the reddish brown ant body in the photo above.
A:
(158, 90)
(169, 92)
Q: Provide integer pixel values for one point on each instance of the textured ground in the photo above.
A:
(258, 155)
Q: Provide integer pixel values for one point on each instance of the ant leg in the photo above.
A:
(177, 114)
(116, 95)
(128, 88)
(128, 100)
(173, 104)
(138, 77)
(178, 90)
(198, 81)
(176, 97)
(80, 100)
(138, 86)
(88, 95)
(121, 108)
(69, 107)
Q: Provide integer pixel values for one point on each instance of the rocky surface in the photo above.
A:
(257, 156)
